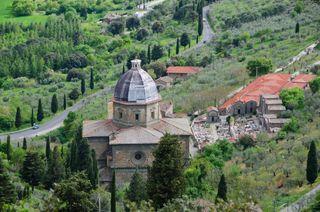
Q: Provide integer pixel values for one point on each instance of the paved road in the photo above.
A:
(207, 34)
(57, 121)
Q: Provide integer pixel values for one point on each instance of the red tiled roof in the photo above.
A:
(268, 84)
(183, 70)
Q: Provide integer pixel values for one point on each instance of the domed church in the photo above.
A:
(125, 141)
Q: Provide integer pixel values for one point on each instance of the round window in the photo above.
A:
(138, 156)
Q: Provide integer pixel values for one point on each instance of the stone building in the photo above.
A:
(212, 115)
(125, 142)
(164, 82)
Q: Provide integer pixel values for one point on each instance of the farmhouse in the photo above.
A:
(124, 143)
(182, 72)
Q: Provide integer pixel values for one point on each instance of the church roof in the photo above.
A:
(136, 86)
(136, 134)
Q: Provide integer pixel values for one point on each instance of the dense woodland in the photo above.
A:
(62, 53)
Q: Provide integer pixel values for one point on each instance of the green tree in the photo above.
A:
(247, 141)
(91, 79)
(24, 145)
(32, 119)
(137, 189)
(297, 30)
(293, 98)
(200, 23)
(185, 40)
(178, 46)
(7, 190)
(54, 103)
(132, 23)
(116, 27)
(32, 169)
(259, 66)
(40, 115)
(165, 177)
(74, 193)
(48, 149)
(157, 52)
(312, 164)
(95, 179)
(149, 53)
(113, 193)
(64, 101)
(83, 86)
(8, 148)
(157, 27)
(315, 85)
(222, 189)
(18, 121)
(74, 94)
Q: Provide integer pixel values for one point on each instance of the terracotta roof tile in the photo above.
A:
(270, 84)
(183, 70)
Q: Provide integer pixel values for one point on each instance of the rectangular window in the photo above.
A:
(137, 117)
(120, 115)
(152, 115)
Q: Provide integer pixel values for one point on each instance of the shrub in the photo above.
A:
(74, 74)
(293, 98)
(116, 27)
(23, 7)
(142, 34)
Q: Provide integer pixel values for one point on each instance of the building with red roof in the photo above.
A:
(182, 72)
(247, 100)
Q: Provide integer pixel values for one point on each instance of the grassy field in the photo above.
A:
(7, 16)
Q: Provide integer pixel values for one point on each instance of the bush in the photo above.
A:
(74, 74)
(292, 126)
(23, 7)
(76, 60)
(157, 27)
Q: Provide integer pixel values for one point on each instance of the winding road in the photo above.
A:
(55, 122)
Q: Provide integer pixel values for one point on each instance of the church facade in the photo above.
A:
(124, 143)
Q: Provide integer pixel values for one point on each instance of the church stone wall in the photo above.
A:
(124, 175)
(100, 145)
(124, 156)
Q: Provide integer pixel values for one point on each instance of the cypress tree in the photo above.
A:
(32, 169)
(54, 104)
(297, 28)
(24, 144)
(200, 23)
(178, 46)
(64, 101)
(18, 121)
(312, 164)
(40, 115)
(48, 150)
(73, 156)
(149, 53)
(137, 189)
(123, 69)
(167, 171)
(169, 52)
(8, 148)
(222, 189)
(83, 86)
(32, 118)
(91, 80)
(55, 172)
(7, 190)
(113, 192)
(197, 39)
(95, 180)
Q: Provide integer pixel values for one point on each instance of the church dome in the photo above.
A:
(136, 86)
